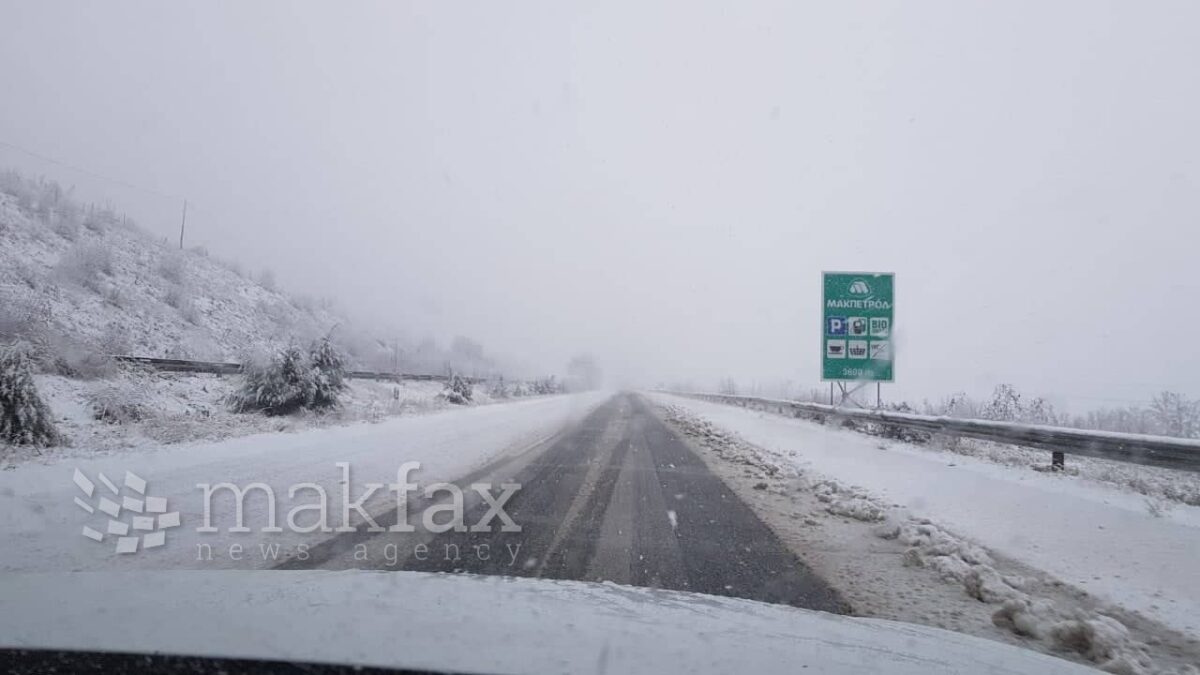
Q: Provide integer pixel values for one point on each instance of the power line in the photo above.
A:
(111, 179)
(94, 174)
(191, 205)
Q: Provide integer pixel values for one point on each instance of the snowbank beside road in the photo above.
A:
(41, 524)
(1097, 538)
(145, 409)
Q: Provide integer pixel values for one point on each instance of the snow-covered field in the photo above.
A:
(140, 409)
(41, 524)
(1052, 558)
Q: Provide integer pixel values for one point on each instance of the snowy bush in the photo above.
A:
(498, 389)
(457, 391)
(173, 268)
(24, 418)
(100, 220)
(71, 359)
(280, 387)
(292, 381)
(28, 274)
(178, 297)
(175, 296)
(329, 374)
(27, 318)
(546, 385)
(114, 296)
(118, 404)
(65, 225)
(85, 263)
(116, 339)
(23, 316)
(38, 197)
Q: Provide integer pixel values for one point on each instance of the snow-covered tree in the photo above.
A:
(24, 418)
(1175, 415)
(1040, 411)
(458, 390)
(498, 389)
(328, 374)
(280, 387)
(293, 381)
(1005, 405)
(546, 385)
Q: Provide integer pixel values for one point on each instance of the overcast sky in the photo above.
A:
(661, 184)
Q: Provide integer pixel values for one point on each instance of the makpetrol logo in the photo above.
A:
(860, 288)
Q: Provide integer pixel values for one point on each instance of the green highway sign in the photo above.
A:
(856, 326)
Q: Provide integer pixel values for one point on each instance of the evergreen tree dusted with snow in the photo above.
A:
(293, 381)
(329, 374)
(24, 418)
(458, 390)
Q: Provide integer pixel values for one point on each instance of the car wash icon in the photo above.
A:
(137, 520)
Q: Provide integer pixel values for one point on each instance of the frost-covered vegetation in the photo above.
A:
(1167, 414)
(293, 381)
(81, 283)
(24, 418)
(458, 390)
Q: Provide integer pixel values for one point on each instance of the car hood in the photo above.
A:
(470, 623)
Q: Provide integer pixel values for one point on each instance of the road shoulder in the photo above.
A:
(858, 545)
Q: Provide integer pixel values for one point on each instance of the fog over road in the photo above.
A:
(616, 497)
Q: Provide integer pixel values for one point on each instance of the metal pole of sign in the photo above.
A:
(830, 393)
(878, 396)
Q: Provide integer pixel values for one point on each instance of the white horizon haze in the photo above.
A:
(661, 184)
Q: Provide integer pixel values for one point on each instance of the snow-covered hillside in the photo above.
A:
(91, 285)
(80, 284)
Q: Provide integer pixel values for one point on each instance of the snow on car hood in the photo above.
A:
(471, 623)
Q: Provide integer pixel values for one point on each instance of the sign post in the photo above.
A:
(857, 312)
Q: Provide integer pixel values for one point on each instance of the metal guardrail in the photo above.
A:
(182, 366)
(1159, 451)
(219, 368)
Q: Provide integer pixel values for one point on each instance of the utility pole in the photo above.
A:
(182, 225)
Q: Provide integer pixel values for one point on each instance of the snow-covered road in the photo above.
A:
(1093, 536)
(41, 524)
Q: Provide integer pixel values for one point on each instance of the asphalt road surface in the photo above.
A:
(616, 497)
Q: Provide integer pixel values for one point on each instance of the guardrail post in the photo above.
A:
(1058, 461)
